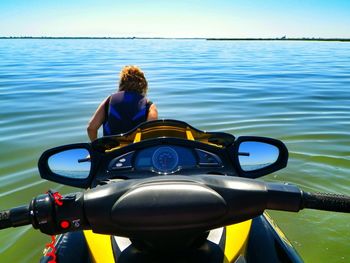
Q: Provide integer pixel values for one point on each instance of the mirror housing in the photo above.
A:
(50, 164)
(273, 146)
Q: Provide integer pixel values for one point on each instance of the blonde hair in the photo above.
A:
(133, 79)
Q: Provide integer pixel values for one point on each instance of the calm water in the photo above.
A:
(298, 92)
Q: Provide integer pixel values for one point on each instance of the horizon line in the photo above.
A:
(187, 38)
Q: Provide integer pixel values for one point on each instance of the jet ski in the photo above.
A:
(167, 192)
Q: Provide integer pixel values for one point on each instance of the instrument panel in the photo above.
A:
(165, 159)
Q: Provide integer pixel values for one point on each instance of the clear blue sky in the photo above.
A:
(163, 18)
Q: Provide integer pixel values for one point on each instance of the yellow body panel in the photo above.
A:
(236, 240)
(100, 246)
(137, 137)
(189, 135)
(113, 149)
(102, 251)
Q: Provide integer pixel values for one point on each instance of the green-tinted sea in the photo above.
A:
(298, 92)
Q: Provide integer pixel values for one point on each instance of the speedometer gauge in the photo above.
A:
(165, 159)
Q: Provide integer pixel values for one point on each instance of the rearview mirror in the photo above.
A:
(258, 156)
(253, 155)
(73, 163)
(68, 164)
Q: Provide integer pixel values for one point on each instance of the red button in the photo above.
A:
(65, 224)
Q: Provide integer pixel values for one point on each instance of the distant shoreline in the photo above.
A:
(194, 38)
(280, 39)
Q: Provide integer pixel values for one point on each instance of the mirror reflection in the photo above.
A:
(74, 163)
(256, 155)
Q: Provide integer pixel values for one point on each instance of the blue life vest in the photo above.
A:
(124, 111)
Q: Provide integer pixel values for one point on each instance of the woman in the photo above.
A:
(125, 109)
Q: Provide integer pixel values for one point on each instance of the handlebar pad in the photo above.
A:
(327, 201)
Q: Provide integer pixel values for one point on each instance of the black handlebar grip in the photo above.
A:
(18, 216)
(326, 201)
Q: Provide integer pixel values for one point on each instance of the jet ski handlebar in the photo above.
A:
(170, 204)
(18, 216)
(326, 201)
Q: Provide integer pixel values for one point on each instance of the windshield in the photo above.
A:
(162, 129)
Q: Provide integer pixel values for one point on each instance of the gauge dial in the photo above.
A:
(165, 160)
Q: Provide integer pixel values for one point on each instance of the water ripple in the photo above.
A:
(294, 91)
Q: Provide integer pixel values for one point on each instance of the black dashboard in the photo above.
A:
(164, 159)
(162, 147)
